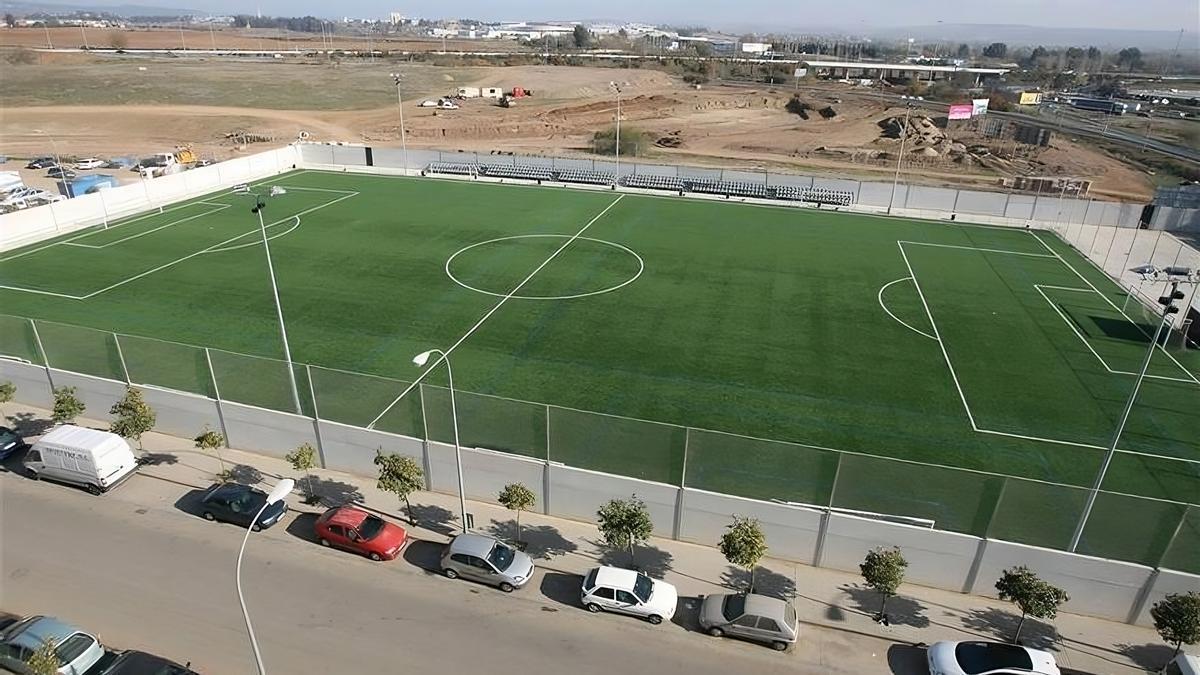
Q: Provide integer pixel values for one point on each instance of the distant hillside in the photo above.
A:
(1016, 36)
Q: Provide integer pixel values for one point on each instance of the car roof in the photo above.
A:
(615, 577)
(346, 516)
(34, 634)
(763, 605)
(230, 489)
(133, 662)
(101, 442)
(472, 544)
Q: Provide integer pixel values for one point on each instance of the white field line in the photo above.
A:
(313, 189)
(122, 240)
(938, 336)
(34, 290)
(1084, 340)
(255, 243)
(898, 319)
(446, 353)
(977, 248)
(211, 248)
(1190, 374)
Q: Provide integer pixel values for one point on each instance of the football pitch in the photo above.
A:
(850, 341)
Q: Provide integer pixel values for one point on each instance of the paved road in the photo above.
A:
(136, 567)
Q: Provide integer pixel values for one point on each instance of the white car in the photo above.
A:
(90, 163)
(988, 658)
(612, 589)
(76, 650)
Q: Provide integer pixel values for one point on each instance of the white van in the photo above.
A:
(96, 460)
(1183, 664)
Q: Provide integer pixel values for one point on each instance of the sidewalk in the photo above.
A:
(832, 600)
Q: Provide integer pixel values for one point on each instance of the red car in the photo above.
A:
(356, 530)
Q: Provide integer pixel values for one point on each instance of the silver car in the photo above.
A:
(486, 559)
(753, 617)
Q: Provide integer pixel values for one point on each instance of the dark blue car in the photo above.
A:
(10, 442)
(236, 503)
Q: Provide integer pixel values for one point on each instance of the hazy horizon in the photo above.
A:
(762, 15)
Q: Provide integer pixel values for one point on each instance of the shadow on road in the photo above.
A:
(191, 502)
(1150, 656)
(766, 582)
(329, 492)
(907, 660)
(435, 518)
(541, 541)
(1003, 625)
(901, 611)
(562, 588)
(28, 425)
(301, 527)
(157, 459)
(427, 555)
(687, 613)
(649, 560)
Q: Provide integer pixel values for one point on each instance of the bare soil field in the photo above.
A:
(139, 105)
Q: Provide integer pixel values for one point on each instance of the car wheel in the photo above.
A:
(256, 527)
(450, 573)
(779, 646)
(93, 489)
(376, 557)
(33, 475)
(507, 587)
(716, 632)
(654, 619)
(209, 516)
(325, 542)
(593, 608)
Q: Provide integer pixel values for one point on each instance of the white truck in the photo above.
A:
(95, 460)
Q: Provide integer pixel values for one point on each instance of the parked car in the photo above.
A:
(40, 163)
(93, 459)
(140, 663)
(754, 617)
(10, 442)
(612, 589)
(488, 560)
(61, 172)
(994, 658)
(90, 163)
(1182, 664)
(356, 530)
(236, 503)
(204, 162)
(76, 650)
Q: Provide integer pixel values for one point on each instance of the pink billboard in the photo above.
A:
(961, 111)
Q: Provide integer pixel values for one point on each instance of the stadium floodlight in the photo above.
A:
(1146, 271)
(420, 360)
(616, 88)
(398, 78)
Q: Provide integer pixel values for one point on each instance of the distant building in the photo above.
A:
(756, 47)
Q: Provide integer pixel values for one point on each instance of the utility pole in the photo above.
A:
(900, 157)
(398, 78)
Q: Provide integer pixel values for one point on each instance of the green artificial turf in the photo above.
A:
(742, 322)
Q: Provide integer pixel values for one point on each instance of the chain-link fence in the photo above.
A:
(1122, 526)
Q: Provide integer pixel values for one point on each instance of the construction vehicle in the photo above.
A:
(506, 101)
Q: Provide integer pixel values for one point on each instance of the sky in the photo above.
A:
(764, 15)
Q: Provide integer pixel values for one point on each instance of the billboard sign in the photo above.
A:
(979, 106)
(961, 111)
(801, 72)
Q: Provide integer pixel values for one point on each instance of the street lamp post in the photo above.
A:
(900, 157)
(1169, 308)
(420, 360)
(617, 90)
(398, 78)
(259, 206)
(282, 489)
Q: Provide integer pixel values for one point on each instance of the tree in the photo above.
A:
(624, 523)
(133, 416)
(964, 51)
(211, 440)
(8, 391)
(401, 475)
(1130, 57)
(1177, 619)
(1033, 597)
(66, 406)
(744, 544)
(582, 36)
(883, 570)
(44, 660)
(10, 20)
(304, 458)
(996, 50)
(519, 498)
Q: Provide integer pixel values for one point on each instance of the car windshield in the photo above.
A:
(982, 657)
(733, 607)
(247, 502)
(370, 528)
(789, 615)
(643, 588)
(501, 556)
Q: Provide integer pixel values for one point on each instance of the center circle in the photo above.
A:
(607, 288)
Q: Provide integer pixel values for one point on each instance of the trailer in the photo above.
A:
(1106, 106)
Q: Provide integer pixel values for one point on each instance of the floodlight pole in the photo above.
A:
(1112, 447)
(617, 177)
(287, 350)
(398, 78)
(900, 157)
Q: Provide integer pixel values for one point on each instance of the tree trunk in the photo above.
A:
(1178, 646)
(518, 524)
(408, 509)
(631, 553)
(752, 571)
(308, 479)
(883, 605)
(1017, 637)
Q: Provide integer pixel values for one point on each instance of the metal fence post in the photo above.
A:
(217, 393)
(1174, 535)
(121, 357)
(826, 515)
(45, 359)
(687, 438)
(425, 445)
(312, 394)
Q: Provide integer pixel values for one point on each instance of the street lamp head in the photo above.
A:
(1147, 271)
(281, 490)
(422, 358)
(259, 204)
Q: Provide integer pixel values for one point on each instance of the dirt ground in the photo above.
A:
(728, 126)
